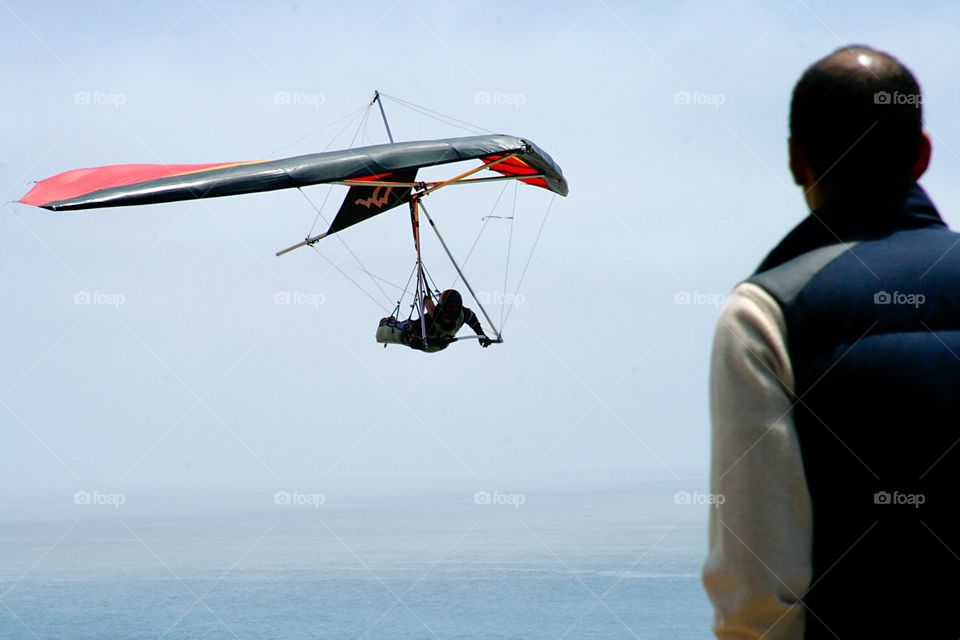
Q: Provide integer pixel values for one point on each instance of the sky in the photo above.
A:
(148, 349)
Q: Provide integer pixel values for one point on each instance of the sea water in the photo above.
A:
(621, 563)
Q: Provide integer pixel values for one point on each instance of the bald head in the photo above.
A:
(856, 119)
(859, 61)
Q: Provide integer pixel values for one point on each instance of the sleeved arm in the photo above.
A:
(759, 560)
(471, 320)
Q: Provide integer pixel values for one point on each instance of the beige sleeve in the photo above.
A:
(759, 561)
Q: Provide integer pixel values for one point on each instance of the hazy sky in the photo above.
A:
(668, 119)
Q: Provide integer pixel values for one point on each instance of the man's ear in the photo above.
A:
(924, 152)
(802, 175)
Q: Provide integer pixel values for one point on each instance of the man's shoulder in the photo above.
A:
(785, 281)
(869, 262)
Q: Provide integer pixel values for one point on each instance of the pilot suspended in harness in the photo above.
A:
(442, 321)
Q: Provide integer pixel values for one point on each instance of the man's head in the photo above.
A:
(451, 303)
(856, 125)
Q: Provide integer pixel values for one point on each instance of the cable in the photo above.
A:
(366, 115)
(457, 267)
(506, 270)
(486, 220)
(351, 115)
(347, 247)
(430, 113)
(530, 257)
(344, 273)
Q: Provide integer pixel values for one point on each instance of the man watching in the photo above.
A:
(835, 385)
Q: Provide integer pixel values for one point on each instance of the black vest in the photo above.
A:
(870, 293)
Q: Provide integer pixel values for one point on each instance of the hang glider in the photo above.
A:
(380, 177)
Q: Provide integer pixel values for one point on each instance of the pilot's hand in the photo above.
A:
(485, 342)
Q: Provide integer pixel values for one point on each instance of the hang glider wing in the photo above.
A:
(394, 164)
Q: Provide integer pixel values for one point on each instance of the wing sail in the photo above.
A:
(127, 185)
(77, 183)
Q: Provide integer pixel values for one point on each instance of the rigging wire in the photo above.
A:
(486, 220)
(344, 274)
(351, 116)
(366, 124)
(373, 278)
(436, 115)
(323, 205)
(459, 270)
(403, 294)
(506, 270)
(347, 247)
(431, 280)
(530, 257)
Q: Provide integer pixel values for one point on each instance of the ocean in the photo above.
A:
(604, 564)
